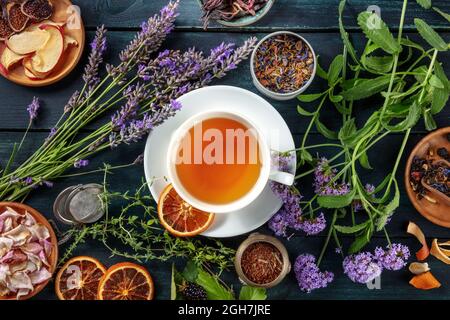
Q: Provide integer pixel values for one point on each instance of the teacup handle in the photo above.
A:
(282, 177)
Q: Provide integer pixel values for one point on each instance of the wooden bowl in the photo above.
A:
(53, 259)
(63, 11)
(439, 212)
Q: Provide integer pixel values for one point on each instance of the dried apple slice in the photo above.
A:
(35, 74)
(47, 58)
(37, 9)
(69, 41)
(44, 23)
(28, 41)
(17, 20)
(438, 252)
(9, 58)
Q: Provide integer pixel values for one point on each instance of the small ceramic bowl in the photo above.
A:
(438, 212)
(53, 259)
(277, 95)
(246, 20)
(255, 238)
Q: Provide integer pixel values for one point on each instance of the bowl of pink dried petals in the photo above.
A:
(28, 251)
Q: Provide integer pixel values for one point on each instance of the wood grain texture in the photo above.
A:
(318, 21)
(304, 15)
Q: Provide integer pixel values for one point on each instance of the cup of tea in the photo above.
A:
(220, 162)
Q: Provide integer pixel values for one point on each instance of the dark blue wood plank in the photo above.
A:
(303, 15)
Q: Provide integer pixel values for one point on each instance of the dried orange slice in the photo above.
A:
(126, 281)
(78, 279)
(179, 217)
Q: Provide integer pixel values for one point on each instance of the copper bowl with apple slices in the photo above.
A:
(52, 257)
(44, 52)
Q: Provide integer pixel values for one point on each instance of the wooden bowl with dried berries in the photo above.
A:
(41, 41)
(427, 177)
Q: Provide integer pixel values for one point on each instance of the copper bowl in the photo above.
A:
(53, 259)
(255, 238)
(439, 212)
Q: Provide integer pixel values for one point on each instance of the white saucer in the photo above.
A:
(226, 98)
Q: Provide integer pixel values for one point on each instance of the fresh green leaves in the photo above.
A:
(378, 64)
(446, 16)
(378, 32)
(430, 36)
(426, 4)
(351, 229)
(344, 35)
(325, 131)
(365, 88)
(251, 293)
(336, 202)
(335, 70)
(215, 289)
(440, 96)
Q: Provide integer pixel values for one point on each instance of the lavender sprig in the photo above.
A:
(33, 109)
(98, 49)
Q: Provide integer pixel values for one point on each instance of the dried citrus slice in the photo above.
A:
(179, 217)
(126, 281)
(78, 279)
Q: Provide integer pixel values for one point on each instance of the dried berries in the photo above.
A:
(262, 262)
(228, 10)
(431, 172)
(283, 63)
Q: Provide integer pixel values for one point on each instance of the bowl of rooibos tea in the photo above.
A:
(221, 162)
(262, 261)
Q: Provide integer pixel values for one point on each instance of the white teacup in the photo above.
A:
(267, 173)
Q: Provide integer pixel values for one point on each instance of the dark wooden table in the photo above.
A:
(317, 21)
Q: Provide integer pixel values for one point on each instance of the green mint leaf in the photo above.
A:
(320, 72)
(304, 112)
(439, 100)
(327, 133)
(335, 69)
(442, 13)
(364, 161)
(389, 209)
(361, 241)
(309, 97)
(379, 64)
(251, 293)
(336, 202)
(410, 121)
(336, 99)
(378, 32)
(306, 156)
(436, 82)
(344, 35)
(190, 272)
(430, 36)
(428, 119)
(214, 290)
(365, 88)
(426, 4)
(351, 229)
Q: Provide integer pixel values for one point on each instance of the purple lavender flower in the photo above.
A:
(139, 160)
(361, 267)
(33, 108)
(81, 163)
(98, 49)
(323, 180)
(308, 274)
(28, 181)
(175, 105)
(51, 134)
(313, 226)
(148, 40)
(357, 205)
(394, 258)
(278, 224)
(46, 183)
(135, 95)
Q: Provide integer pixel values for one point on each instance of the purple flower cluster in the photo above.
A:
(361, 267)
(33, 109)
(98, 49)
(357, 205)
(365, 266)
(290, 215)
(394, 257)
(81, 164)
(324, 183)
(308, 274)
(135, 95)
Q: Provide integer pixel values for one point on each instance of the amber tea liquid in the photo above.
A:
(219, 161)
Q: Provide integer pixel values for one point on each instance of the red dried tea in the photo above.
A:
(228, 10)
(262, 262)
(283, 63)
